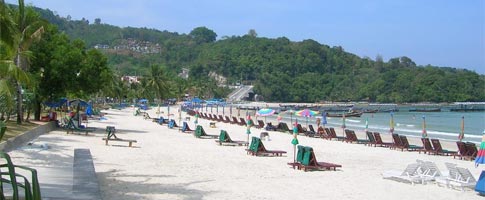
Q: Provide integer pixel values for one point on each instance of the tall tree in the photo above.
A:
(203, 35)
(8, 44)
(28, 28)
(158, 81)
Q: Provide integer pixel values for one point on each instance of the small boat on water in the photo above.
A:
(352, 114)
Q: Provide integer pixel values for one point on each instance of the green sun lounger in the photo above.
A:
(257, 148)
(225, 139)
(200, 133)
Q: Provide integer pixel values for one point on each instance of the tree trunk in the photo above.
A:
(19, 91)
(28, 115)
(37, 110)
(19, 104)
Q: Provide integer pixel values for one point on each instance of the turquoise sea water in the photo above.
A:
(442, 125)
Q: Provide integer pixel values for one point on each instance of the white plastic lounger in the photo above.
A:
(410, 174)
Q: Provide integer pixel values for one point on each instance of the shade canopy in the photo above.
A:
(306, 113)
(265, 112)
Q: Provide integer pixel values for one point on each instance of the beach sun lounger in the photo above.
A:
(410, 174)
(439, 150)
(200, 133)
(458, 177)
(186, 128)
(428, 171)
(309, 161)
(407, 146)
(466, 151)
(225, 139)
(257, 148)
(72, 127)
(379, 141)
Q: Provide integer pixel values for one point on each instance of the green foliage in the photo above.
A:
(67, 67)
(203, 35)
(279, 69)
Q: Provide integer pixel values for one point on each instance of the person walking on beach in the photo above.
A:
(318, 122)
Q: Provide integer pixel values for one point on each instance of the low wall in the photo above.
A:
(23, 138)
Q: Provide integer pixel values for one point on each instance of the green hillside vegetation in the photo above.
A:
(280, 69)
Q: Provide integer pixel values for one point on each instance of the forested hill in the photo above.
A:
(280, 69)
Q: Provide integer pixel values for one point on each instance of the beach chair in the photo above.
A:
(227, 120)
(234, 120)
(17, 176)
(467, 180)
(372, 140)
(458, 177)
(260, 124)
(410, 174)
(225, 139)
(351, 137)
(397, 143)
(220, 119)
(471, 150)
(172, 124)
(200, 133)
(186, 128)
(339, 138)
(356, 139)
(333, 135)
(283, 127)
(72, 127)
(309, 161)
(311, 131)
(321, 132)
(427, 146)
(301, 130)
(111, 136)
(428, 171)
(162, 121)
(379, 141)
(257, 148)
(242, 122)
(348, 136)
(466, 151)
(407, 146)
(439, 150)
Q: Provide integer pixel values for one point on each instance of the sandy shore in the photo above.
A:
(168, 164)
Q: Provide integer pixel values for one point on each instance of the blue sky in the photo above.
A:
(438, 32)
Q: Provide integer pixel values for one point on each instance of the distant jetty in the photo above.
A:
(468, 107)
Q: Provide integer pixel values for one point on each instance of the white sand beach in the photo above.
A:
(168, 164)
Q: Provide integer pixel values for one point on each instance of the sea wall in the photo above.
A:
(19, 140)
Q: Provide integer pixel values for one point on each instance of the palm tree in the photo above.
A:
(158, 82)
(28, 28)
(8, 70)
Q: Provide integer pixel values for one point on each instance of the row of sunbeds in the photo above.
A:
(466, 150)
(306, 157)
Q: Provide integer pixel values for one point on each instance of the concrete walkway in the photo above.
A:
(60, 176)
